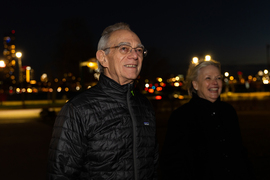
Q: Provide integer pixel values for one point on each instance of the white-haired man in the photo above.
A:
(108, 131)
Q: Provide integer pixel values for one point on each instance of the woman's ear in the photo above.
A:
(101, 57)
(195, 85)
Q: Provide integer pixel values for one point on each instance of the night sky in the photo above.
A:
(232, 32)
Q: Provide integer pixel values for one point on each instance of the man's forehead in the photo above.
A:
(128, 43)
(124, 37)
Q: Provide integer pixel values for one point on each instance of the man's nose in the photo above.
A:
(133, 53)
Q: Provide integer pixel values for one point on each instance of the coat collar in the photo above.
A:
(114, 89)
(203, 103)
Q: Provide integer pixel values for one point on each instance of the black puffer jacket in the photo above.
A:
(107, 132)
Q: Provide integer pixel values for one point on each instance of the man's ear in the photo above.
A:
(102, 58)
(195, 85)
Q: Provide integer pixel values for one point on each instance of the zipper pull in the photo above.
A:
(132, 92)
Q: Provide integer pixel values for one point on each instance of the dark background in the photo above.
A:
(233, 32)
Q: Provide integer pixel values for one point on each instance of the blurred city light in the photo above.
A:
(18, 54)
(195, 60)
(207, 58)
(44, 77)
(28, 69)
(158, 97)
(33, 82)
(159, 79)
(176, 84)
(226, 74)
(180, 97)
(2, 64)
(151, 90)
(92, 65)
(59, 89)
(162, 84)
(159, 89)
(175, 95)
(29, 90)
(265, 81)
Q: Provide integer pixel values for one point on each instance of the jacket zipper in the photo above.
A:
(134, 132)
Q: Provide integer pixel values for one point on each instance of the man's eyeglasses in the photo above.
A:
(126, 49)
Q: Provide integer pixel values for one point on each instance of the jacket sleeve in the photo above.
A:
(67, 145)
(156, 160)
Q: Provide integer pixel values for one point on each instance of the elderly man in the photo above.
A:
(108, 131)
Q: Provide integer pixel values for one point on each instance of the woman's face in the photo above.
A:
(208, 83)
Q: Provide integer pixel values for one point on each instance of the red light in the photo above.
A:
(151, 90)
(162, 84)
(13, 31)
(146, 89)
(158, 97)
(159, 88)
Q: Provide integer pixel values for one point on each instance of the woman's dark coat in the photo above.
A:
(203, 141)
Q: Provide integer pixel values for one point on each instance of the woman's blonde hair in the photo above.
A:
(193, 72)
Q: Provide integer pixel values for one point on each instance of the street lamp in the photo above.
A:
(19, 55)
(226, 80)
(195, 60)
(2, 64)
(207, 58)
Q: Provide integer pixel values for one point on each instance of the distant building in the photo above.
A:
(9, 58)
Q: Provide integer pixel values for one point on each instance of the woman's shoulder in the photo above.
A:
(184, 108)
(182, 112)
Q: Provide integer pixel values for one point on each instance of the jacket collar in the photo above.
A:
(203, 103)
(112, 88)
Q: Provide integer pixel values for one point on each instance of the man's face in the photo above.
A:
(123, 68)
(208, 83)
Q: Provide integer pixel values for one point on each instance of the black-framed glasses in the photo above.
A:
(126, 49)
